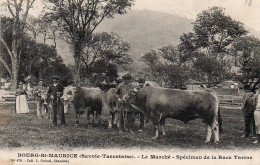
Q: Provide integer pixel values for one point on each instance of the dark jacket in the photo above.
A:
(54, 90)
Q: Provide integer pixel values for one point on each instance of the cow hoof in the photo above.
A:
(206, 141)
(131, 131)
(155, 137)
(140, 130)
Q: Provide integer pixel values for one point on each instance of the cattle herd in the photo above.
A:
(154, 103)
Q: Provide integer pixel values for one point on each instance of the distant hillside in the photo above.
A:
(147, 29)
(144, 30)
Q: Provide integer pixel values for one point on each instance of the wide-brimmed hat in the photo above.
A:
(55, 77)
(141, 80)
(127, 77)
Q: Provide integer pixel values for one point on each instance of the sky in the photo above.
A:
(237, 9)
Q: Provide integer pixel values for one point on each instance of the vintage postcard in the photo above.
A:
(129, 82)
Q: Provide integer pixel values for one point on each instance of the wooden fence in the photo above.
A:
(233, 100)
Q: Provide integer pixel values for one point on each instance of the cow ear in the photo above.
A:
(77, 88)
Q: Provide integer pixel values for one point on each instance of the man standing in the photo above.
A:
(121, 90)
(141, 83)
(54, 93)
(256, 101)
(38, 97)
(248, 109)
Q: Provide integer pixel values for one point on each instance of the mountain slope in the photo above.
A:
(143, 29)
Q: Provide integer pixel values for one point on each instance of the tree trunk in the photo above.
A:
(15, 68)
(78, 52)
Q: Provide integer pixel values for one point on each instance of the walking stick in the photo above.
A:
(50, 112)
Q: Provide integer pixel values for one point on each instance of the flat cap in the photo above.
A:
(141, 80)
(127, 77)
(55, 77)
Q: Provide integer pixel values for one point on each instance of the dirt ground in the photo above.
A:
(27, 131)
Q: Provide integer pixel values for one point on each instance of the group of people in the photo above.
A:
(52, 93)
(251, 113)
(250, 107)
(123, 90)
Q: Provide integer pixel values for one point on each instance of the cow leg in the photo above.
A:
(114, 118)
(89, 122)
(98, 116)
(156, 128)
(208, 134)
(117, 119)
(77, 119)
(121, 121)
(141, 126)
(216, 131)
(110, 120)
(162, 124)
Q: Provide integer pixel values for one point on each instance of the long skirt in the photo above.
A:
(257, 120)
(21, 104)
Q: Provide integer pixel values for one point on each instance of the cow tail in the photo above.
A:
(219, 120)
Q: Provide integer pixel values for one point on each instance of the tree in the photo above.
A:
(103, 55)
(42, 61)
(210, 42)
(210, 70)
(5, 61)
(247, 53)
(166, 66)
(215, 31)
(78, 19)
(155, 68)
(36, 59)
(19, 10)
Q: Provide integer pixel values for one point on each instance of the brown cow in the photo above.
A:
(161, 103)
(84, 99)
(110, 106)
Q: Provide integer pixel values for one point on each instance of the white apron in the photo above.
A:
(21, 104)
(257, 115)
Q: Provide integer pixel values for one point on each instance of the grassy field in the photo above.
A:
(26, 130)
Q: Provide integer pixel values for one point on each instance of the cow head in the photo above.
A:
(68, 94)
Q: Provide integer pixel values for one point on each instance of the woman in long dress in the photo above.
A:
(256, 99)
(21, 101)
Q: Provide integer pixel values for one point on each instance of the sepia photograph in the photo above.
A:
(129, 81)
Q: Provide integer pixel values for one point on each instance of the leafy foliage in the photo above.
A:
(165, 67)
(103, 55)
(210, 70)
(247, 53)
(215, 31)
(77, 20)
(208, 47)
(36, 59)
(19, 10)
(42, 61)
